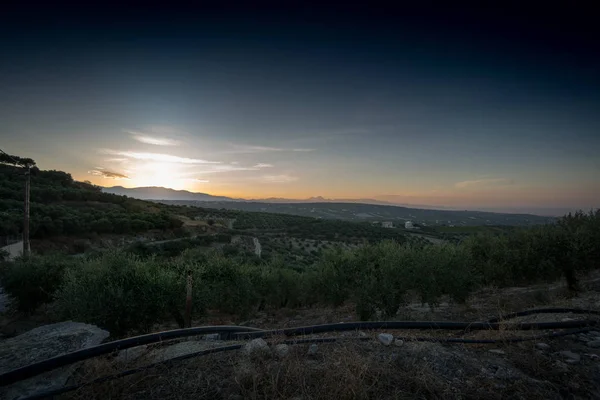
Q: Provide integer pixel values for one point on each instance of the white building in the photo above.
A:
(387, 224)
(408, 225)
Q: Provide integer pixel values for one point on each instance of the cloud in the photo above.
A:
(263, 165)
(117, 159)
(484, 182)
(202, 180)
(107, 174)
(167, 158)
(156, 141)
(283, 178)
(226, 168)
(241, 148)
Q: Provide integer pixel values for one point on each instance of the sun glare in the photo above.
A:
(159, 174)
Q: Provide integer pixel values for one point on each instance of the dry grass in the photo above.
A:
(345, 370)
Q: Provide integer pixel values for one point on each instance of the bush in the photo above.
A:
(119, 292)
(33, 281)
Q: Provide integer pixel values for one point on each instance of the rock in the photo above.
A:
(496, 351)
(179, 349)
(282, 350)
(131, 354)
(570, 357)
(256, 346)
(560, 366)
(385, 338)
(542, 346)
(594, 344)
(312, 349)
(361, 334)
(41, 344)
(399, 342)
(211, 336)
(594, 357)
(594, 333)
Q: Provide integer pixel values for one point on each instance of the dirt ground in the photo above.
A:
(359, 366)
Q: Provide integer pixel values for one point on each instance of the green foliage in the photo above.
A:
(63, 206)
(120, 292)
(33, 281)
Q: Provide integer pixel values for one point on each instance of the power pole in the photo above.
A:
(26, 246)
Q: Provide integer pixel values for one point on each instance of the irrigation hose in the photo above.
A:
(436, 325)
(543, 311)
(60, 361)
(238, 332)
(291, 342)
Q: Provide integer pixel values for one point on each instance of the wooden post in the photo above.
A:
(188, 301)
(26, 246)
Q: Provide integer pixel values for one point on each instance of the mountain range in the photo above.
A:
(162, 193)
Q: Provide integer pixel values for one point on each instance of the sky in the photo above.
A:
(472, 108)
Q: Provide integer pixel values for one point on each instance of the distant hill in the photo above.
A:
(161, 193)
(277, 204)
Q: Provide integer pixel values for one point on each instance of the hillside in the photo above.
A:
(377, 213)
(62, 206)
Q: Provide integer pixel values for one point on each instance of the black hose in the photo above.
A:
(294, 342)
(468, 326)
(237, 332)
(122, 374)
(56, 362)
(543, 311)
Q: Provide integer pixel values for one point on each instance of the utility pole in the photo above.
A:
(26, 247)
(27, 164)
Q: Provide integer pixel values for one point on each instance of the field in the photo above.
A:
(122, 264)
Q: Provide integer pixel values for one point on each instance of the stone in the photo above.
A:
(179, 349)
(256, 347)
(560, 366)
(312, 349)
(593, 356)
(496, 351)
(570, 357)
(399, 342)
(594, 333)
(211, 336)
(594, 344)
(132, 354)
(542, 346)
(282, 350)
(361, 334)
(41, 344)
(385, 338)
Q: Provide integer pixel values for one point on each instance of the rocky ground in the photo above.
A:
(372, 364)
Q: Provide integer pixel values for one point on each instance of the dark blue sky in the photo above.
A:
(471, 108)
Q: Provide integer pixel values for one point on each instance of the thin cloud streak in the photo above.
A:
(153, 140)
(107, 174)
(226, 168)
(263, 165)
(167, 158)
(282, 178)
(484, 182)
(247, 149)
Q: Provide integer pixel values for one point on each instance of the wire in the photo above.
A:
(9, 156)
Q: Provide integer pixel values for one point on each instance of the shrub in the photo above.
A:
(119, 292)
(33, 281)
